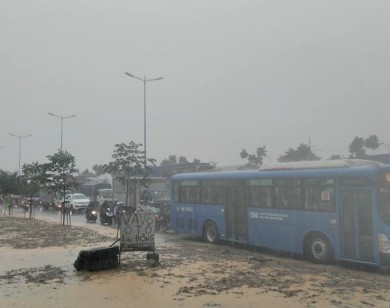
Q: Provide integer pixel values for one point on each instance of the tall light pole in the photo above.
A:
(20, 145)
(144, 80)
(62, 122)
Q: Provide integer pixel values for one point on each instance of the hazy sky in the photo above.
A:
(237, 74)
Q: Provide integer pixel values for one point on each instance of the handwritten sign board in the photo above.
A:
(137, 232)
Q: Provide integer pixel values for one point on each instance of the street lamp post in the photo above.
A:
(144, 80)
(20, 146)
(62, 122)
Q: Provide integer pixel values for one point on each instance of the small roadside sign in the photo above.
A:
(137, 232)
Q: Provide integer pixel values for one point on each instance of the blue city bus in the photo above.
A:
(326, 211)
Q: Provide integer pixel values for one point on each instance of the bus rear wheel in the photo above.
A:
(210, 232)
(319, 249)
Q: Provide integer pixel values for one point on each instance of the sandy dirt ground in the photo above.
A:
(36, 270)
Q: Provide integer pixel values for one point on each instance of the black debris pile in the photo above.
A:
(96, 259)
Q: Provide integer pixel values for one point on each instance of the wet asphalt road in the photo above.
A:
(77, 219)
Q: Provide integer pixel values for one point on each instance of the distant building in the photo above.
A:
(167, 171)
(383, 158)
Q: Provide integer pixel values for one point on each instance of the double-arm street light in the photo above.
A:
(144, 80)
(20, 145)
(62, 122)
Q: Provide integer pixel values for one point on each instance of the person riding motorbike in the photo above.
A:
(118, 210)
(106, 213)
(165, 216)
(90, 212)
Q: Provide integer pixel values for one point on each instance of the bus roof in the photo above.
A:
(321, 164)
(304, 169)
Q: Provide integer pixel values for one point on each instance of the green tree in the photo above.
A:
(356, 148)
(10, 184)
(54, 176)
(83, 175)
(172, 159)
(98, 169)
(129, 167)
(33, 180)
(86, 173)
(372, 143)
(60, 171)
(183, 160)
(254, 161)
(301, 153)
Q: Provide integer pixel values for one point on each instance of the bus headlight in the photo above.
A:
(384, 243)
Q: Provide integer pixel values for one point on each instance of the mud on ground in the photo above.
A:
(192, 269)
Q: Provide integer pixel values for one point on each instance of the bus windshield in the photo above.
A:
(384, 198)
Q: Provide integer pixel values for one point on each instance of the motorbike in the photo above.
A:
(91, 215)
(106, 215)
(161, 216)
(162, 222)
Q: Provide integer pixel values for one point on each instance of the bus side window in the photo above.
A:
(194, 194)
(295, 199)
(183, 194)
(212, 192)
(266, 197)
(288, 193)
(206, 194)
(312, 198)
(253, 200)
(319, 198)
(260, 196)
(280, 198)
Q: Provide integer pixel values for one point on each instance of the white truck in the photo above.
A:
(97, 192)
(104, 194)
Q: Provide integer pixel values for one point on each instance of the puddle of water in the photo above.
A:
(11, 259)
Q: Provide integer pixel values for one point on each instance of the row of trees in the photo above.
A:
(359, 145)
(50, 175)
(53, 175)
(357, 149)
(173, 159)
(130, 168)
(58, 174)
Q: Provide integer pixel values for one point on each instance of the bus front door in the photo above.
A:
(236, 212)
(356, 224)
